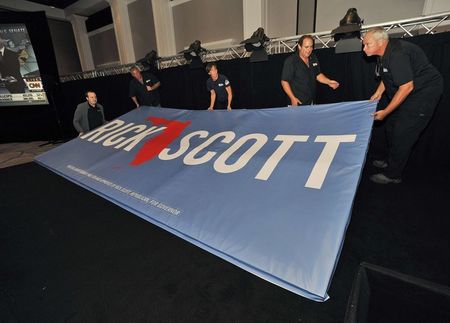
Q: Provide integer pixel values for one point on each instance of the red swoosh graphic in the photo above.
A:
(154, 146)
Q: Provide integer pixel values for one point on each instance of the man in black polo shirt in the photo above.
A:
(219, 88)
(144, 88)
(413, 87)
(88, 115)
(301, 70)
(10, 70)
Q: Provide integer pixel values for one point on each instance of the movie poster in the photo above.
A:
(20, 80)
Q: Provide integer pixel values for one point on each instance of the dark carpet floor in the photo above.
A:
(67, 255)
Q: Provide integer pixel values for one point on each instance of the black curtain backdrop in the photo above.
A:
(257, 85)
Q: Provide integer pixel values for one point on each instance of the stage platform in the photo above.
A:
(70, 256)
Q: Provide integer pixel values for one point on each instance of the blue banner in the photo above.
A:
(268, 190)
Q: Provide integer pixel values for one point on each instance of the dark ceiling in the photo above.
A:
(61, 4)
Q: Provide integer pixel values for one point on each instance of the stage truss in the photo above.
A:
(401, 28)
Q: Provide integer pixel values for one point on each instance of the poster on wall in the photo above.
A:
(20, 80)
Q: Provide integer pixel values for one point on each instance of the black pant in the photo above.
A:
(404, 127)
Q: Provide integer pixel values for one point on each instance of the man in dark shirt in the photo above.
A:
(144, 88)
(88, 115)
(300, 72)
(413, 87)
(219, 88)
(10, 70)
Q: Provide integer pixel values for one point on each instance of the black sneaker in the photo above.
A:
(380, 164)
(383, 179)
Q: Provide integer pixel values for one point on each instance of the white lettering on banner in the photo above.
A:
(272, 162)
(120, 129)
(112, 131)
(111, 141)
(184, 145)
(323, 163)
(133, 141)
(105, 128)
(146, 199)
(114, 134)
(221, 167)
(317, 175)
(190, 159)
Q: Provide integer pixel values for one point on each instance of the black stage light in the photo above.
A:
(193, 54)
(348, 35)
(256, 44)
(150, 61)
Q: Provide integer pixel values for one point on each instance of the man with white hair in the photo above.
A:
(413, 87)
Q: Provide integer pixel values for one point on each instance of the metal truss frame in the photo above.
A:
(401, 28)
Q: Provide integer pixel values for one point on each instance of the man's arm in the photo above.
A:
(325, 80)
(213, 99)
(287, 89)
(154, 86)
(402, 93)
(77, 120)
(378, 93)
(230, 96)
(102, 112)
(135, 101)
